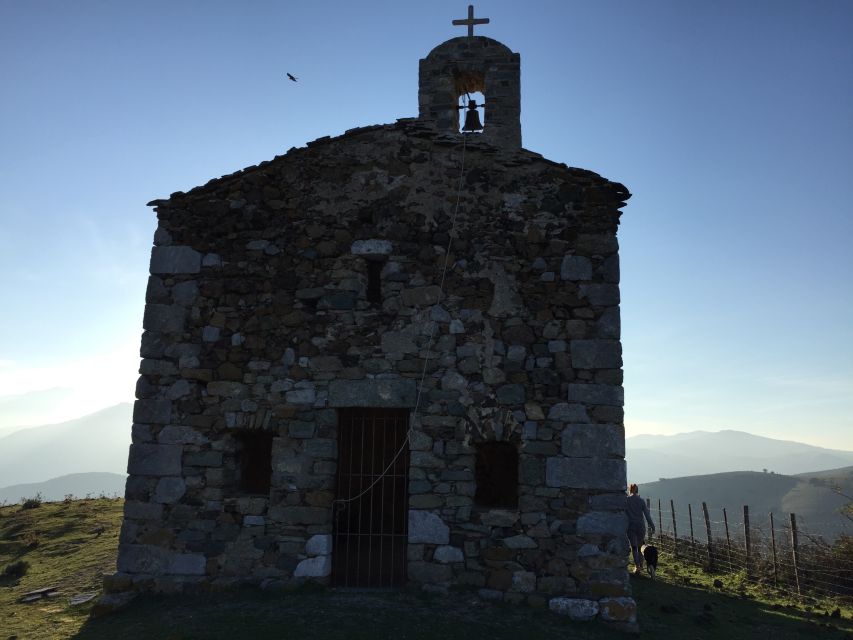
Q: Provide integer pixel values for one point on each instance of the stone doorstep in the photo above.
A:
(619, 611)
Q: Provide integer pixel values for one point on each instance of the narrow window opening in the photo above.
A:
(374, 280)
(496, 473)
(254, 461)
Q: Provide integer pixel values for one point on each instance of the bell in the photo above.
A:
(472, 118)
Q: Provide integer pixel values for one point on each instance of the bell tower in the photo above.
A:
(469, 64)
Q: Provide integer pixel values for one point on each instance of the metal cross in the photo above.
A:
(471, 21)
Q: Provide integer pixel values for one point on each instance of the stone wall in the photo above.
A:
(257, 318)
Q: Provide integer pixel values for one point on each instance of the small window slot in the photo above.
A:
(254, 456)
(374, 281)
(496, 474)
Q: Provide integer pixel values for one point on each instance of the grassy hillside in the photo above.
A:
(69, 545)
(810, 496)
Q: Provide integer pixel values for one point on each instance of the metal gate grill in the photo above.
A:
(370, 526)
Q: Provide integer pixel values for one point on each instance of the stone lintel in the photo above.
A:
(390, 393)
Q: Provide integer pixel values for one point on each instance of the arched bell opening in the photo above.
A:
(469, 87)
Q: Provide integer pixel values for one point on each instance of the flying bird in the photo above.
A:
(292, 77)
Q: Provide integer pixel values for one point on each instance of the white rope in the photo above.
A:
(410, 431)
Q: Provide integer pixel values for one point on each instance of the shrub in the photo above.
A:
(31, 539)
(16, 569)
(31, 503)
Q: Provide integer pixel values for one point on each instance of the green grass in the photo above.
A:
(68, 553)
(61, 543)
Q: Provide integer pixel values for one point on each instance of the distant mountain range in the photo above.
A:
(650, 458)
(97, 442)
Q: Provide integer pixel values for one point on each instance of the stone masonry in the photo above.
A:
(257, 318)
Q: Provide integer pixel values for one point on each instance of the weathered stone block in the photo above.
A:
(155, 459)
(152, 411)
(447, 554)
(511, 394)
(373, 393)
(596, 354)
(594, 441)
(426, 527)
(602, 523)
(185, 293)
(585, 473)
(574, 608)
(227, 389)
(421, 296)
(576, 268)
(609, 325)
(523, 581)
(520, 542)
(372, 247)
(288, 514)
(618, 610)
(301, 396)
(165, 318)
(319, 545)
(316, 567)
(300, 429)
(176, 434)
(609, 271)
(564, 412)
(135, 510)
(204, 459)
(175, 259)
(170, 490)
(601, 295)
(142, 558)
(499, 518)
(607, 394)
(190, 564)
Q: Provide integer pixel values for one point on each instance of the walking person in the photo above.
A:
(638, 515)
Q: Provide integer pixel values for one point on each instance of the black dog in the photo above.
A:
(650, 555)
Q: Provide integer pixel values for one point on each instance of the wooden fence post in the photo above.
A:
(728, 539)
(708, 538)
(773, 546)
(674, 530)
(692, 539)
(660, 521)
(747, 544)
(796, 551)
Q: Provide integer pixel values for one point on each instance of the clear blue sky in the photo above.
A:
(731, 122)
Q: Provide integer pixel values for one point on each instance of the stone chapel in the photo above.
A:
(391, 357)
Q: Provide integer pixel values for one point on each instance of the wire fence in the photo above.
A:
(764, 549)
